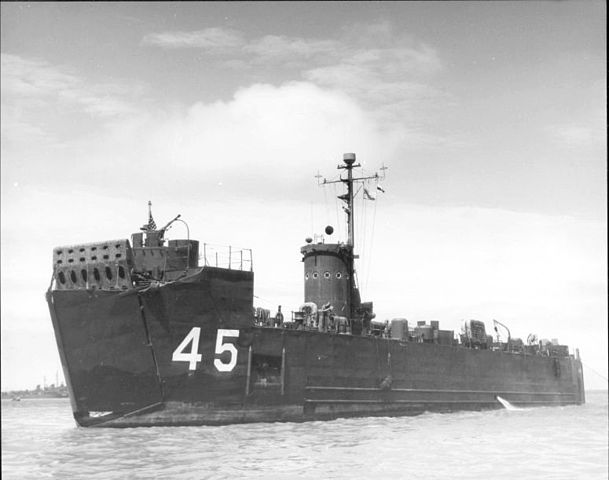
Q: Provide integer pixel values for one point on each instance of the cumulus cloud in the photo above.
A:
(279, 135)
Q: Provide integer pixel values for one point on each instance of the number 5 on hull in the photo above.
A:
(226, 347)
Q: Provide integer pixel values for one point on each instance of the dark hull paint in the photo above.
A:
(116, 349)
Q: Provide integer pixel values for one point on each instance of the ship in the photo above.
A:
(158, 332)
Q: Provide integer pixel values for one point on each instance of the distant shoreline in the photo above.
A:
(47, 392)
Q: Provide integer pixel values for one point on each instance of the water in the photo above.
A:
(40, 440)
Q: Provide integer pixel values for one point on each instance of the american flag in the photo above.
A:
(151, 223)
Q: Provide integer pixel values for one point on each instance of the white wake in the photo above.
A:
(507, 405)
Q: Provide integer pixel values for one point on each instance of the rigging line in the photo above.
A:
(266, 300)
(371, 245)
(312, 196)
(337, 209)
(363, 224)
(599, 374)
(364, 237)
(327, 207)
(311, 213)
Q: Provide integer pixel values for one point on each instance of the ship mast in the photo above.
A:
(349, 165)
(349, 159)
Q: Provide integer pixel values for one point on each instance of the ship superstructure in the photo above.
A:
(157, 332)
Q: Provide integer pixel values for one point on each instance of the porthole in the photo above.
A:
(108, 273)
(315, 275)
(338, 275)
(327, 275)
(306, 276)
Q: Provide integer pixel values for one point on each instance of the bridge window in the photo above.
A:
(108, 273)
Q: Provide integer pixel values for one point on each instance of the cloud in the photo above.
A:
(33, 91)
(579, 135)
(277, 134)
(385, 70)
(214, 40)
(22, 77)
(279, 48)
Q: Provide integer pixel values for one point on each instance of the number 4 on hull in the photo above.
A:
(193, 357)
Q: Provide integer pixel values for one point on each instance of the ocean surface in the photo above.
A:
(41, 440)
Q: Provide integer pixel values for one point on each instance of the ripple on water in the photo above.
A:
(40, 440)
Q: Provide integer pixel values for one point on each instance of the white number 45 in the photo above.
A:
(194, 357)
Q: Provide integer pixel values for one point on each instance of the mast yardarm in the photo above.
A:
(349, 165)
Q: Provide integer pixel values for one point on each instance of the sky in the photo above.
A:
(489, 116)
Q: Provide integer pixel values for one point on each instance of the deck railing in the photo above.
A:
(222, 256)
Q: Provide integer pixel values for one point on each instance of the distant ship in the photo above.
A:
(148, 335)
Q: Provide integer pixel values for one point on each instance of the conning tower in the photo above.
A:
(328, 273)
